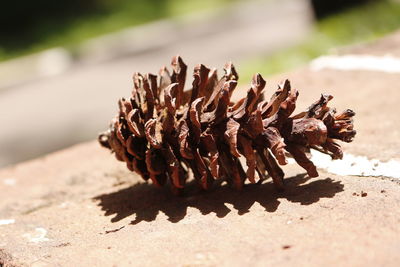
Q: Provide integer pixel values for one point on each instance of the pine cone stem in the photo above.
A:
(162, 131)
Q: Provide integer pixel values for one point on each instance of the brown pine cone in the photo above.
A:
(162, 131)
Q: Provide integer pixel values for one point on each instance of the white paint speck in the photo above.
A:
(386, 63)
(203, 259)
(64, 204)
(10, 181)
(356, 165)
(7, 221)
(38, 236)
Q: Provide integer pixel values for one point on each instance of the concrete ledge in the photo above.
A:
(79, 207)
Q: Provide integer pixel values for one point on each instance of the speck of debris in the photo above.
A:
(286, 247)
(383, 191)
(355, 194)
(363, 194)
(119, 183)
(63, 245)
(108, 247)
(114, 230)
(301, 218)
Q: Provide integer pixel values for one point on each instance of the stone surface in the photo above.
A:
(80, 207)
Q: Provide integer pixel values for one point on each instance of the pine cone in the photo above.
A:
(162, 131)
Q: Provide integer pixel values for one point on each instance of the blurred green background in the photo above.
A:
(32, 26)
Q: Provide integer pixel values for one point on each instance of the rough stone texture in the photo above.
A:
(96, 213)
(80, 207)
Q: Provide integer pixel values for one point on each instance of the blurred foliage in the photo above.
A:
(30, 26)
(357, 25)
(322, 8)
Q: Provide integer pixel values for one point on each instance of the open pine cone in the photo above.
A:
(162, 131)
